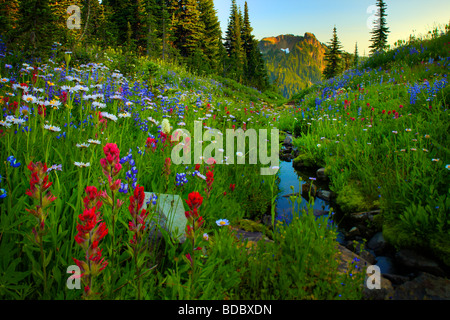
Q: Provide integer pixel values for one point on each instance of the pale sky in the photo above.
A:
(351, 17)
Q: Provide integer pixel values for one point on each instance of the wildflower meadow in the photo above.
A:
(87, 144)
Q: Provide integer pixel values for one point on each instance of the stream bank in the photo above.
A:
(406, 274)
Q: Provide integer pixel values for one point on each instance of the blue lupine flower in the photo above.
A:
(152, 199)
(123, 187)
(181, 179)
(13, 161)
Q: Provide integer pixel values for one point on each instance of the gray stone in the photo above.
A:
(386, 265)
(288, 140)
(319, 213)
(324, 195)
(396, 279)
(386, 291)
(364, 216)
(424, 287)
(320, 174)
(377, 243)
(169, 214)
(412, 260)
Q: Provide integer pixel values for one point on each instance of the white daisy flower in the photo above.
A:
(99, 105)
(55, 104)
(82, 164)
(29, 98)
(109, 116)
(52, 128)
(125, 115)
(5, 124)
(83, 145)
(94, 141)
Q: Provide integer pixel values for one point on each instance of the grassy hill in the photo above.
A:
(381, 132)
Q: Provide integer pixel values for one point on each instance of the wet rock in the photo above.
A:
(306, 187)
(425, 287)
(288, 140)
(324, 195)
(377, 243)
(358, 249)
(364, 216)
(286, 155)
(412, 260)
(386, 265)
(350, 259)
(353, 233)
(396, 279)
(320, 174)
(250, 236)
(385, 292)
(319, 213)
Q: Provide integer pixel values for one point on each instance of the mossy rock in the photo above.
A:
(305, 160)
(350, 199)
(440, 246)
(250, 226)
(399, 237)
(377, 222)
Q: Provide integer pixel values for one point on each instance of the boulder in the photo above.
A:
(377, 243)
(349, 258)
(386, 291)
(363, 216)
(425, 287)
(169, 214)
(288, 140)
(324, 195)
(414, 261)
(320, 174)
(386, 265)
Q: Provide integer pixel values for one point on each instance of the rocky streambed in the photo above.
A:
(406, 274)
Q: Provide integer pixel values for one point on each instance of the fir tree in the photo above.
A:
(333, 57)
(9, 14)
(233, 44)
(356, 57)
(36, 26)
(188, 27)
(255, 71)
(380, 31)
(210, 43)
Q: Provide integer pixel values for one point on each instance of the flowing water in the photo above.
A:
(289, 177)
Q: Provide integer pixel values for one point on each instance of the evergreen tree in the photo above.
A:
(9, 14)
(233, 43)
(333, 57)
(188, 27)
(356, 57)
(36, 26)
(246, 35)
(255, 71)
(212, 33)
(153, 18)
(380, 31)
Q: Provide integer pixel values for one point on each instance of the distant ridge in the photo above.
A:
(294, 62)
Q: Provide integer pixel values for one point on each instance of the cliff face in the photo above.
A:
(293, 62)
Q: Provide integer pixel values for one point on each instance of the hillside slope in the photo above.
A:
(293, 62)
